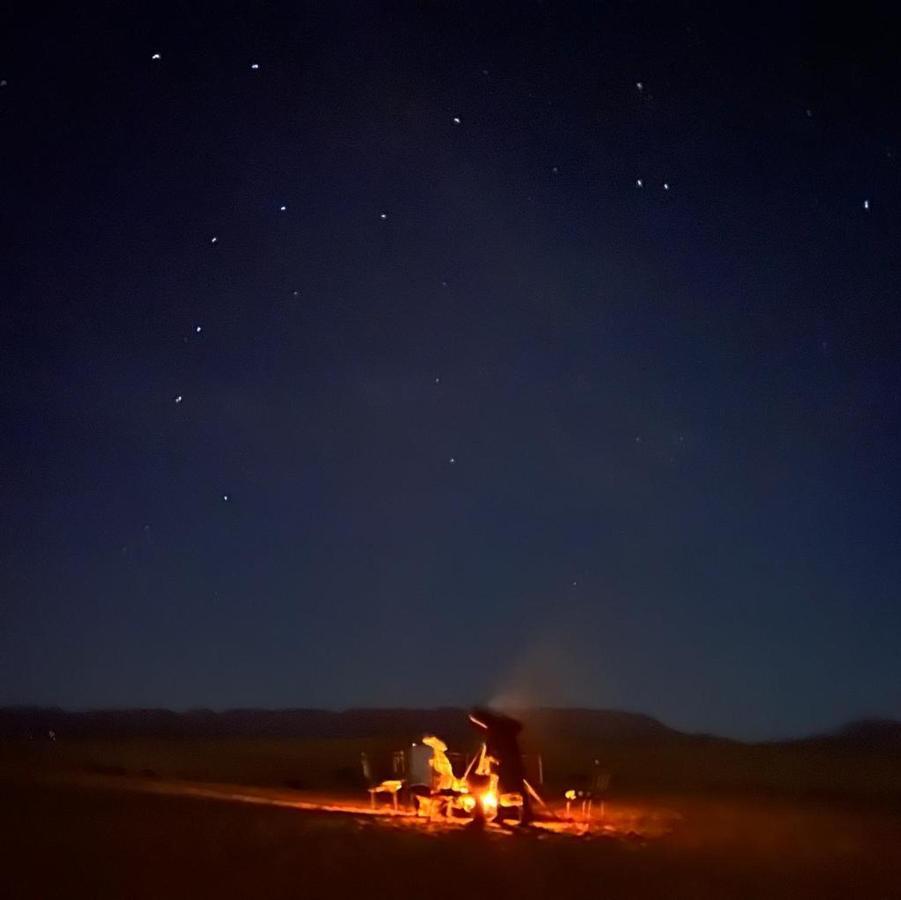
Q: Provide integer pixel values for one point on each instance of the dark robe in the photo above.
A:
(501, 740)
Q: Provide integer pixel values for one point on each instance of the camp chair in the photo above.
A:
(390, 786)
(599, 782)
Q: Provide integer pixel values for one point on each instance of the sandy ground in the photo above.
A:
(620, 819)
(98, 837)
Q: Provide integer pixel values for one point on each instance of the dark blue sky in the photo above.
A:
(493, 421)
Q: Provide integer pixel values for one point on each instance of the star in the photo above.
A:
(283, 208)
(254, 66)
(665, 185)
(639, 85)
(383, 215)
(3, 82)
(555, 170)
(198, 329)
(156, 56)
(296, 293)
(225, 497)
(866, 204)
(179, 398)
(452, 460)
(639, 182)
(213, 239)
(437, 381)
(456, 120)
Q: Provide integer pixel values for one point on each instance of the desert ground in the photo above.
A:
(220, 819)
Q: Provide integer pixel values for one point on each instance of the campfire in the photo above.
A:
(474, 794)
(491, 786)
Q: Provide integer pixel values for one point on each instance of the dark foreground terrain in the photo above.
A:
(143, 805)
(70, 840)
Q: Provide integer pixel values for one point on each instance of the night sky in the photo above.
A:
(423, 354)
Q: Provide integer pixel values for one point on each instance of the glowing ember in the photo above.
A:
(489, 802)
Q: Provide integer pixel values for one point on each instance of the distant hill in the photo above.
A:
(862, 734)
(453, 723)
(232, 722)
(594, 725)
(574, 726)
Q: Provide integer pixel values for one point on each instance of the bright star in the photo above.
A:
(456, 120)
(156, 56)
(179, 398)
